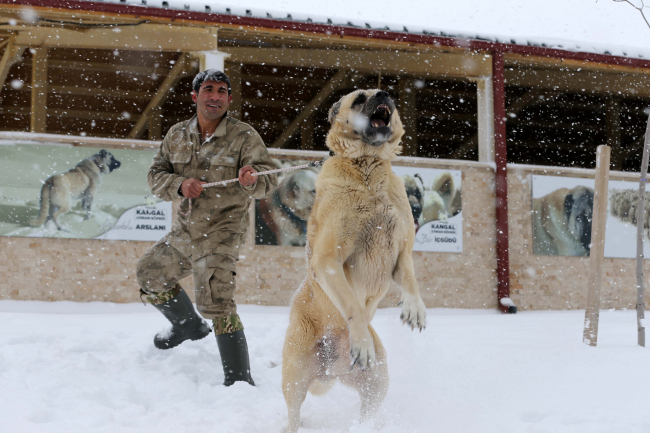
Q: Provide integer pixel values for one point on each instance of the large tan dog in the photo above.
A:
(82, 182)
(562, 222)
(360, 237)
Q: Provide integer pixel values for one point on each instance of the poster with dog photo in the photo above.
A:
(79, 192)
(563, 210)
(434, 195)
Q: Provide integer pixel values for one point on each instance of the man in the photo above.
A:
(212, 222)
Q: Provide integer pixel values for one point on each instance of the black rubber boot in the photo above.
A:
(234, 357)
(186, 323)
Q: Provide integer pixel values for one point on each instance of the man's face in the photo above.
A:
(212, 100)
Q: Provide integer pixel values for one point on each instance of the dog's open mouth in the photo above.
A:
(381, 117)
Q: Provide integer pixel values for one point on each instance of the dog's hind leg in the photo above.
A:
(87, 201)
(58, 211)
(371, 384)
(298, 368)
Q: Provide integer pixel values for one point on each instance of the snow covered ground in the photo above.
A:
(92, 368)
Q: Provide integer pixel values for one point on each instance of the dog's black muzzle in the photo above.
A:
(379, 110)
(115, 164)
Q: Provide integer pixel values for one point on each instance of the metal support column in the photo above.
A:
(501, 184)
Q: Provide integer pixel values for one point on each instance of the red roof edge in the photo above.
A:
(212, 18)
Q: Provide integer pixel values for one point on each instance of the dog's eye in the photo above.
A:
(359, 99)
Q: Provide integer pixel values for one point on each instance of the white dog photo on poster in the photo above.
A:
(439, 221)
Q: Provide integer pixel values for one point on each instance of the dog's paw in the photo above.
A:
(362, 350)
(413, 312)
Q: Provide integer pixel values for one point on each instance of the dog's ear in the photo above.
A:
(103, 153)
(296, 189)
(334, 111)
(568, 206)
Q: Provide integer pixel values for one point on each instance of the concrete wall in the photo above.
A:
(95, 270)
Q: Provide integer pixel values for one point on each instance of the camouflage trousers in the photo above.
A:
(163, 265)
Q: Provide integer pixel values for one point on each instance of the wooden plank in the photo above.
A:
(399, 63)
(640, 218)
(313, 105)
(101, 92)
(6, 60)
(275, 103)
(148, 37)
(281, 79)
(57, 139)
(581, 82)
(94, 91)
(38, 118)
(569, 65)
(160, 95)
(61, 112)
(409, 115)
(109, 67)
(597, 252)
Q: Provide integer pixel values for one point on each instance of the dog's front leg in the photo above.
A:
(327, 265)
(413, 309)
(87, 203)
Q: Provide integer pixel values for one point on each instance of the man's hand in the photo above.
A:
(192, 188)
(245, 175)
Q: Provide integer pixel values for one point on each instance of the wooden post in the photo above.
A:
(409, 115)
(155, 124)
(614, 136)
(307, 134)
(599, 218)
(38, 119)
(233, 70)
(640, 218)
(6, 60)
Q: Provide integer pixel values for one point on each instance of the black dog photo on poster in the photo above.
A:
(562, 216)
(434, 196)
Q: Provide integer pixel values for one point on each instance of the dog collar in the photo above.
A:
(295, 219)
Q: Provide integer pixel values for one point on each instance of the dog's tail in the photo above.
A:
(45, 207)
(319, 387)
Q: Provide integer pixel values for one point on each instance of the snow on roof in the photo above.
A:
(592, 26)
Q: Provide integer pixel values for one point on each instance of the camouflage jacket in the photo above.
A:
(218, 220)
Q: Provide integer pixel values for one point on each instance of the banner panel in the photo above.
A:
(79, 192)
(562, 216)
(434, 195)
